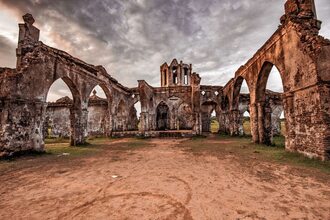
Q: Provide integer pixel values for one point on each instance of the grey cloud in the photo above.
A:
(133, 38)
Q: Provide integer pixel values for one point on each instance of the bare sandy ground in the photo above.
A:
(160, 182)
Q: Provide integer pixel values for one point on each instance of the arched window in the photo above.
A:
(269, 91)
(214, 125)
(165, 77)
(175, 75)
(185, 76)
(62, 96)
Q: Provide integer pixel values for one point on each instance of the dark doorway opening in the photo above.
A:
(162, 117)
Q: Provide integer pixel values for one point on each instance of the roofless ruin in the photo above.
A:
(181, 106)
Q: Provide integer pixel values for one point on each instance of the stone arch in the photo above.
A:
(262, 78)
(77, 133)
(73, 89)
(105, 89)
(206, 110)
(162, 116)
(237, 91)
(263, 118)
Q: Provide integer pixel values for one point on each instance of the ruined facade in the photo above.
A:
(181, 104)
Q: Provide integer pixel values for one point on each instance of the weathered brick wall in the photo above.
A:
(57, 123)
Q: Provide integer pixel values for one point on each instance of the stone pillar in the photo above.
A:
(288, 104)
(79, 120)
(235, 122)
(195, 100)
(180, 74)
(261, 118)
(254, 122)
(268, 134)
(225, 126)
(198, 123)
(276, 123)
(221, 119)
(143, 122)
(110, 124)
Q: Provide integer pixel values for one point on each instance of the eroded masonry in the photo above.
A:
(181, 106)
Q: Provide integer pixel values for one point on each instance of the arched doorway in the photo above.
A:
(214, 123)
(224, 121)
(136, 116)
(206, 110)
(63, 111)
(240, 106)
(163, 117)
(269, 100)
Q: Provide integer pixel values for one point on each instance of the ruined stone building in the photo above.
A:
(181, 105)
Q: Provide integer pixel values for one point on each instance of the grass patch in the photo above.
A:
(245, 150)
(57, 140)
(64, 148)
(279, 154)
(279, 141)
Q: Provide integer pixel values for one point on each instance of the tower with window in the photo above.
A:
(175, 74)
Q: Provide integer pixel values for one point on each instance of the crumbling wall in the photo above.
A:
(24, 91)
(302, 58)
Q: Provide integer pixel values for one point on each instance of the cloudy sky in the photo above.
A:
(132, 38)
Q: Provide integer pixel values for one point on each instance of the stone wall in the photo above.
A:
(296, 49)
(57, 123)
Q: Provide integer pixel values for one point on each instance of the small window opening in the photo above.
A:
(185, 79)
(165, 77)
(175, 75)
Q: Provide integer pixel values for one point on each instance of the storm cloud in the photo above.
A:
(132, 38)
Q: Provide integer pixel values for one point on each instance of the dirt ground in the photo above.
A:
(160, 181)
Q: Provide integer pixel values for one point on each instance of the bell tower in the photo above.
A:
(175, 74)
